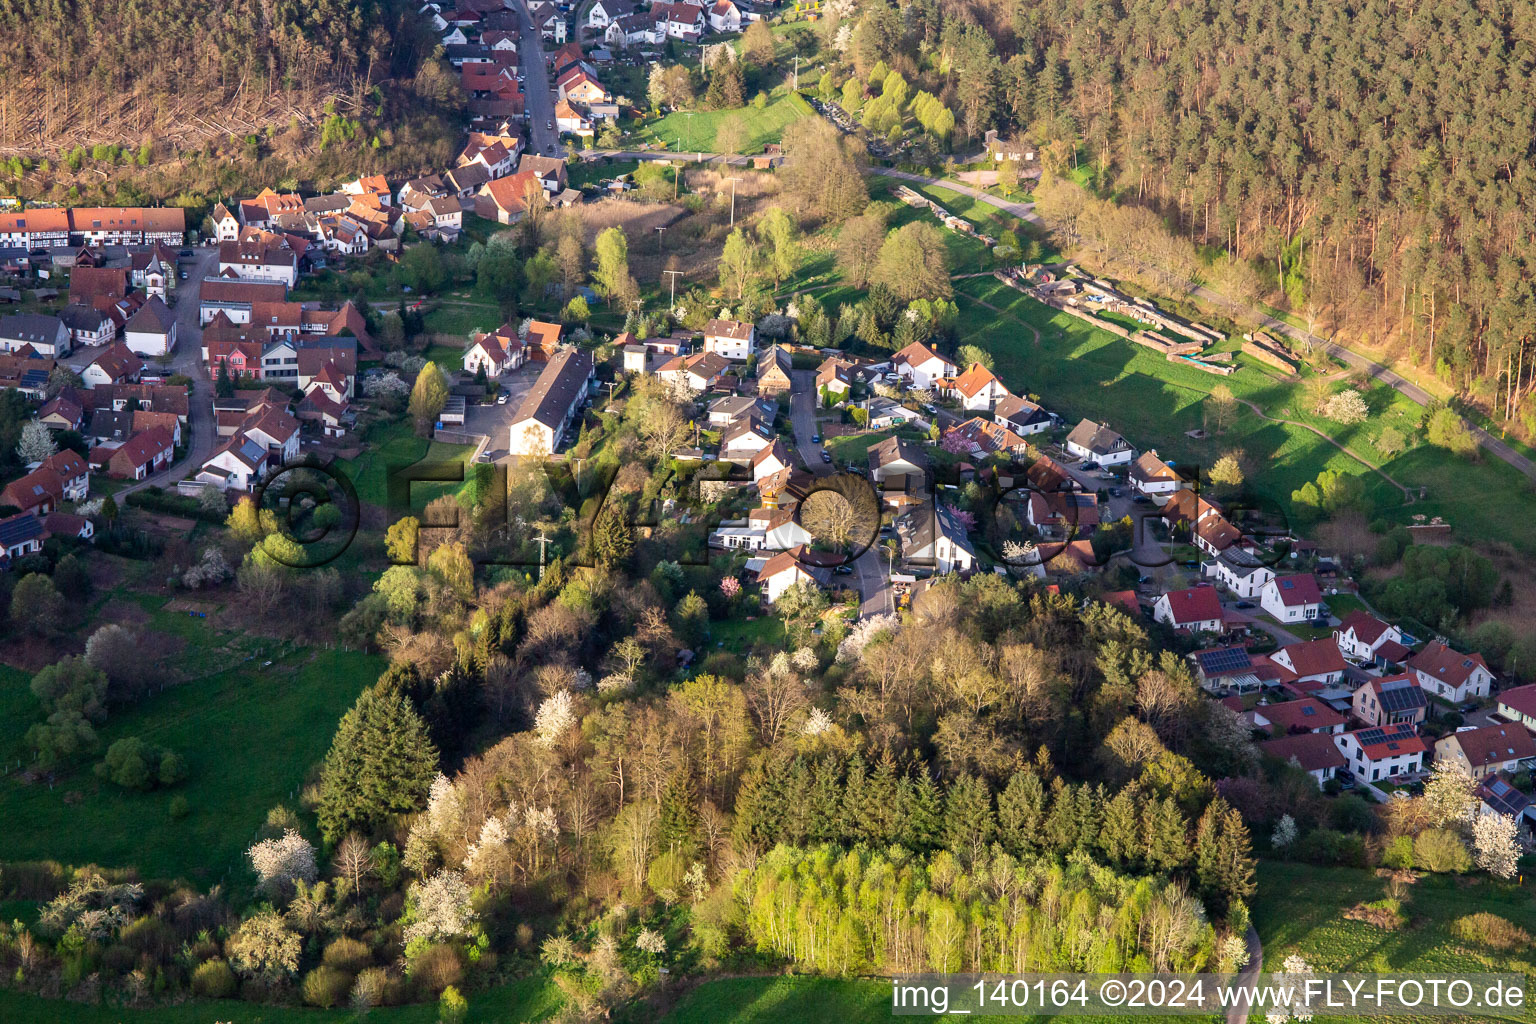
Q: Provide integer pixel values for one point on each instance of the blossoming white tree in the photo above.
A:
(281, 862)
(1496, 844)
(440, 907)
(554, 717)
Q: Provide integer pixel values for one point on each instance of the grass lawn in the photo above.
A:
(592, 172)
(528, 999)
(1079, 371)
(395, 446)
(738, 635)
(1300, 909)
(684, 130)
(462, 316)
(774, 1000)
(853, 449)
(249, 735)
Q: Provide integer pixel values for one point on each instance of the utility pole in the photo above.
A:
(797, 72)
(672, 275)
(658, 238)
(733, 180)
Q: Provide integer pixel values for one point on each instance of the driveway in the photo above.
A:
(877, 597)
(188, 360)
(493, 421)
(538, 93)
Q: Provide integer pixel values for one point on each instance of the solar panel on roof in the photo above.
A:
(1227, 659)
(1402, 698)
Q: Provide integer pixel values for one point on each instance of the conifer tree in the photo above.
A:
(924, 809)
(824, 802)
(1120, 837)
(1166, 834)
(1020, 813)
(380, 763)
(969, 824)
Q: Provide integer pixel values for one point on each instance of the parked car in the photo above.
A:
(826, 456)
(1245, 605)
(1090, 464)
(843, 570)
(815, 439)
(501, 399)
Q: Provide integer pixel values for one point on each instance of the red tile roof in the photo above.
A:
(1495, 744)
(1314, 657)
(1300, 589)
(1197, 604)
(1312, 750)
(1521, 699)
(1307, 715)
(1449, 666)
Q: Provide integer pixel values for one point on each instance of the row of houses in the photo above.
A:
(44, 227)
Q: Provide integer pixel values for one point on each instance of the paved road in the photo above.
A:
(1024, 211)
(188, 360)
(802, 413)
(869, 568)
(693, 156)
(538, 91)
(1238, 1013)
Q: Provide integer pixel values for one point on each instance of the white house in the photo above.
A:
(45, 335)
(743, 440)
(779, 529)
(769, 460)
(1381, 752)
(491, 353)
(152, 330)
(1197, 609)
(1022, 416)
(238, 464)
(551, 405)
(896, 458)
(725, 16)
(785, 570)
(603, 13)
(1315, 753)
(1096, 442)
(1313, 661)
(1293, 598)
(226, 227)
(932, 535)
(1366, 638)
(697, 371)
(1152, 476)
(729, 339)
(1446, 673)
(977, 389)
(1242, 575)
(920, 366)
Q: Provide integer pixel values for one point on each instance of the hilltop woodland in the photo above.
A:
(118, 104)
(1364, 167)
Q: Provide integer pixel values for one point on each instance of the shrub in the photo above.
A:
(437, 967)
(370, 989)
(1441, 850)
(179, 808)
(1490, 930)
(326, 987)
(347, 954)
(213, 980)
(1399, 853)
(1327, 846)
